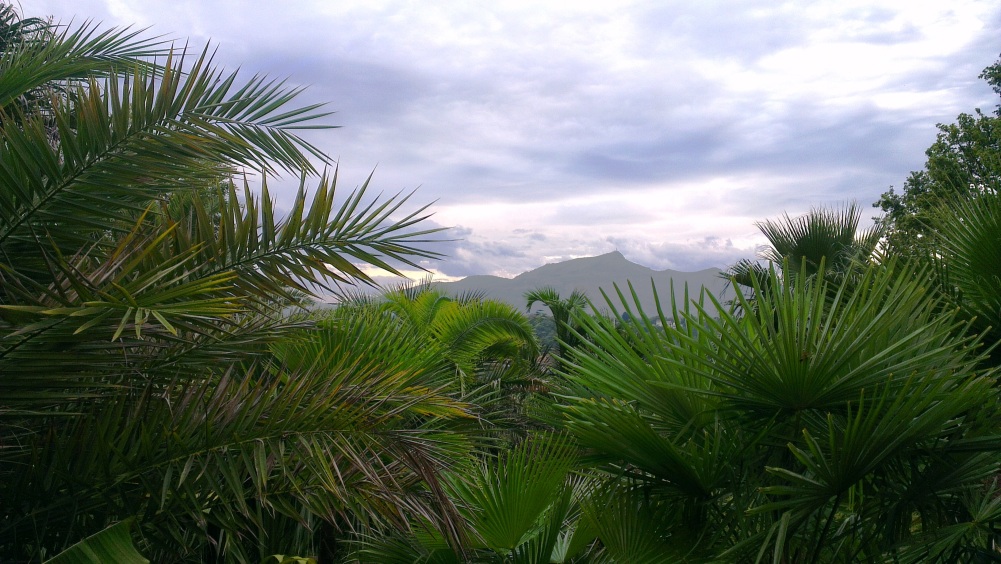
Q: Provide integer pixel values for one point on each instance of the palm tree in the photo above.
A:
(485, 350)
(824, 239)
(144, 300)
(470, 328)
(524, 506)
(564, 312)
(967, 259)
(838, 420)
(488, 347)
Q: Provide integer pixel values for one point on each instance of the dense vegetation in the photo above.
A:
(166, 393)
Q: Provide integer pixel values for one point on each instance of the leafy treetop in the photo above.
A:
(964, 160)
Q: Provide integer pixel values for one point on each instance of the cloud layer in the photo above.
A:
(660, 129)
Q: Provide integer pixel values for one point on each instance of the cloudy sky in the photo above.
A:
(545, 131)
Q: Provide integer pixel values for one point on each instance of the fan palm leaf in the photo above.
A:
(792, 431)
(968, 242)
(523, 506)
(832, 236)
(823, 240)
(470, 331)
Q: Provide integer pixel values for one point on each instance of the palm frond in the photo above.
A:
(321, 430)
(969, 245)
(820, 235)
(507, 499)
(40, 60)
(136, 139)
(793, 430)
(315, 246)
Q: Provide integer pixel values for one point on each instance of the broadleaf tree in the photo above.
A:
(964, 160)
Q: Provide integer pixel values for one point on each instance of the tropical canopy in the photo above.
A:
(144, 288)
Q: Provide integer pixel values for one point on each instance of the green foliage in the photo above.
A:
(149, 366)
(967, 239)
(113, 544)
(837, 421)
(523, 506)
(284, 559)
(564, 312)
(965, 160)
(824, 239)
(487, 347)
(516, 502)
(152, 372)
(470, 329)
(545, 330)
(632, 526)
(41, 64)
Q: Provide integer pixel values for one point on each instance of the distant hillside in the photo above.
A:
(591, 274)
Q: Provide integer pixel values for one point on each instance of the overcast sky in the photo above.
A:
(547, 131)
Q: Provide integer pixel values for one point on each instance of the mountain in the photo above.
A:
(591, 275)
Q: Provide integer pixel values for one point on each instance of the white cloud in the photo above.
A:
(551, 130)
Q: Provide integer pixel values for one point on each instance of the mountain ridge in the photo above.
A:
(591, 275)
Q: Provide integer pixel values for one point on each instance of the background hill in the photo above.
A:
(591, 275)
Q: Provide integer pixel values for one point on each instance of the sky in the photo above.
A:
(543, 131)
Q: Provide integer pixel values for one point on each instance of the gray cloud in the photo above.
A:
(720, 31)
(723, 111)
(710, 251)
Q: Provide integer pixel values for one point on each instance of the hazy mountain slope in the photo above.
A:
(591, 274)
